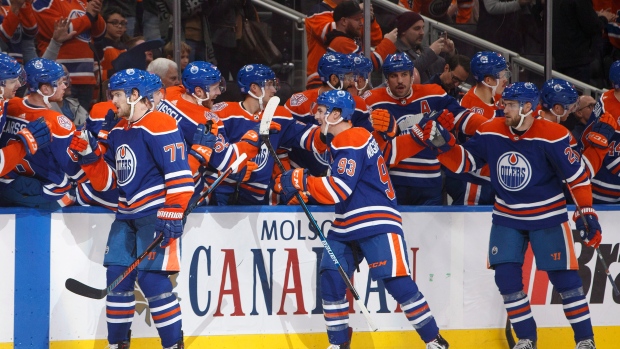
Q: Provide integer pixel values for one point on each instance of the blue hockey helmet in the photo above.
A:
(129, 79)
(522, 92)
(397, 62)
(614, 74)
(334, 63)
(202, 74)
(338, 99)
(558, 91)
(255, 74)
(487, 63)
(43, 71)
(362, 65)
(152, 85)
(9, 68)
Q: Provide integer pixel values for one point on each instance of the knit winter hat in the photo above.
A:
(405, 20)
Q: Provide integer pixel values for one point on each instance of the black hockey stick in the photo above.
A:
(264, 135)
(95, 293)
(509, 337)
(585, 224)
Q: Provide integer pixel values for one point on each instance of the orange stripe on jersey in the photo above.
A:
(179, 181)
(122, 205)
(255, 190)
(355, 137)
(399, 263)
(367, 217)
(336, 188)
(417, 167)
(568, 236)
(472, 194)
(607, 192)
(529, 212)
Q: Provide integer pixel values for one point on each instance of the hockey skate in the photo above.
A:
(121, 345)
(525, 344)
(586, 344)
(341, 346)
(438, 343)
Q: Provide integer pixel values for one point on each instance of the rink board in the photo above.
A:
(249, 280)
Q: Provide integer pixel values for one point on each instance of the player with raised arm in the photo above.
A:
(34, 135)
(147, 161)
(529, 159)
(44, 179)
(491, 73)
(358, 175)
(417, 180)
(258, 84)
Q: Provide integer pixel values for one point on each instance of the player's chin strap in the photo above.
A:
(132, 106)
(523, 116)
(46, 99)
(359, 89)
(340, 85)
(260, 99)
(387, 88)
(493, 88)
(202, 100)
(559, 117)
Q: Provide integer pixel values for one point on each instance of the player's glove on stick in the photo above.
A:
(35, 135)
(170, 223)
(591, 237)
(291, 182)
(384, 123)
(437, 137)
(602, 131)
(85, 146)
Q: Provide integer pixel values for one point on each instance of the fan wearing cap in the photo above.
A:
(319, 23)
(427, 59)
(348, 17)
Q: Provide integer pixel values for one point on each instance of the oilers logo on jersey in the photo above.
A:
(513, 171)
(85, 35)
(126, 164)
(262, 158)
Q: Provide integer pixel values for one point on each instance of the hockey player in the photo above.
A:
(491, 73)
(417, 180)
(147, 162)
(529, 159)
(35, 135)
(359, 176)
(337, 72)
(258, 84)
(362, 67)
(44, 179)
(558, 98)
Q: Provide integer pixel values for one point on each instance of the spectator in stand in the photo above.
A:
(185, 53)
(112, 44)
(69, 106)
(17, 22)
(585, 107)
(348, 17)
(127, 9)
(455, 72)
(573, 36)
(75, 53)
(427, 60)
(60, 35)
(167, 70)
(225, 20)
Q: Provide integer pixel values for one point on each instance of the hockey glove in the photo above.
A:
(602, 131)
(290, 183)
(85, 146)
(445, 119)
(592, 236)
(204, 141)
(170, 223)
(437, 137)
(243, 173)
(250, 143)
(35, 135)
(384, 123)
(108, 124)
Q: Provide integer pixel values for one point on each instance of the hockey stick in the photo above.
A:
(95, 293)
(585, 224)
(264, 135)
(508, 331)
